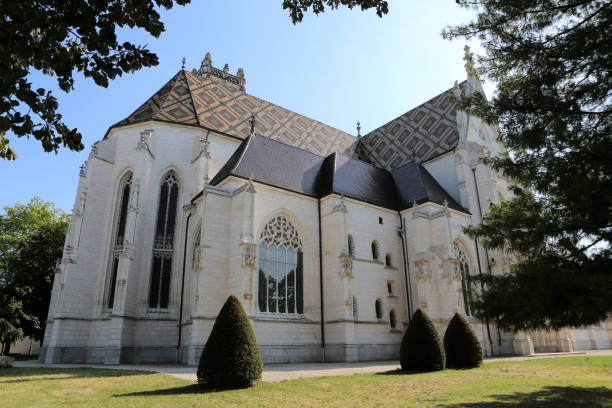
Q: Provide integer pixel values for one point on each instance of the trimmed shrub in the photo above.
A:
(421, 348)
(231, 357)
(463, 350)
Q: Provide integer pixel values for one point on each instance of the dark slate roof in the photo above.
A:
(280, 165)
(416, 184)
(359, 180)
(274, 163)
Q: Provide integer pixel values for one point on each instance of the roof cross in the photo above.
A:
(252, 122)
(183, 63)
(358, 129)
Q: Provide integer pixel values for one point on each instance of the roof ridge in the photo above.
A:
(191, 97)
(167, 95)
(299, 114)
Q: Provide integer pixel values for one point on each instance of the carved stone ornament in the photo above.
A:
(83, 169)
(135, 198)
(249, 254)
(250, 186)
(347, 267)
(142, 141)
(341, 206)
(197, 255)
(205, 146)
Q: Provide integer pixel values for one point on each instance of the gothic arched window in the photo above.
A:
(463, 268)
(378, 307)
(118, 242)
(375, 250)
(280, 268)
(163, 246)
(388, 260)
(392, 319)
(351, 245)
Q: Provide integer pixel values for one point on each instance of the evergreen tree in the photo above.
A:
(421, 348)
(231, 357)
(551, 60)
(461, 345)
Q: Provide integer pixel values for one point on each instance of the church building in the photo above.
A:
(330, 240)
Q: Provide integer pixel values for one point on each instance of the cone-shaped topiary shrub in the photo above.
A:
(421, 348)
(231, 357)
(463, 350)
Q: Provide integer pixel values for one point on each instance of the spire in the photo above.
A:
(468, 57)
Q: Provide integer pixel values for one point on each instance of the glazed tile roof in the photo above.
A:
(280, 165)
(426, 131)
(191, 99)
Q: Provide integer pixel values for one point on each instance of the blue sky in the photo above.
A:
(338, 67)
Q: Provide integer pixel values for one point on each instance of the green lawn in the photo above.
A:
(555, 383)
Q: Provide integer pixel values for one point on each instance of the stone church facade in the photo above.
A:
(331, 241)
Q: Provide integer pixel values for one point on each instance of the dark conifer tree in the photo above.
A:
(231, 357)
(461, 345)
(551, 61)
(421, 348)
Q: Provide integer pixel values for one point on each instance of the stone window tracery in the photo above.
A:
(463, 269)
(119, 244)
(163, 246)
(280, 268)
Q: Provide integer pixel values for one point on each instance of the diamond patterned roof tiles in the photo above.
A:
(193, 100)
(426, 131)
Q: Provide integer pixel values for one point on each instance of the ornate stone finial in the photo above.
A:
(240, 73)
(252, 122)
(469, 61)
(83, 170)
(207, 59)
(183, 64)
(250, 185)
(358, 129)
(226, 69)
(94, 148)
(445, 203)
(414, 203)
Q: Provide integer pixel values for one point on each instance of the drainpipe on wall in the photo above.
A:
(180, 322)
(402, 232)
(321, 284)
(478, 257)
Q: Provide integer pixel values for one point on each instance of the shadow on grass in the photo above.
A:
(547, 397)
(399, 371)
(185, 390)
(43, 374)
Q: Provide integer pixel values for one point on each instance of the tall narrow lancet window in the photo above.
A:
(163, 247)
(351, 245)
(280, 268)
(118, 241)
(463, 268)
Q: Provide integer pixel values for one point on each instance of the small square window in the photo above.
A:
(380, 220)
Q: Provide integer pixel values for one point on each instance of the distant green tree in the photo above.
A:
(9, 335)
(552, 63)
(421, 348)
(31, 243)
(231, 357)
